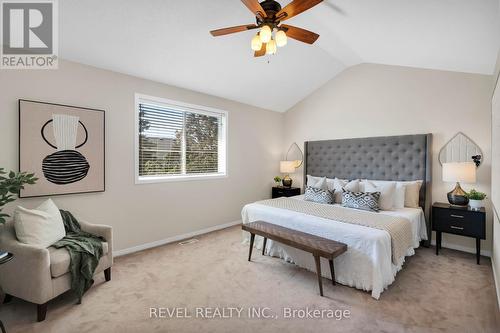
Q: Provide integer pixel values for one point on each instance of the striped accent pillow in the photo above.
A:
(361, 200)
(318, 195)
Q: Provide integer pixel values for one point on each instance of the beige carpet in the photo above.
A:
(445, 293)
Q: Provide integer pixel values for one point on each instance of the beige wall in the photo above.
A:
(365, 100)
(495, 179)
(150, 212)
(377, 100)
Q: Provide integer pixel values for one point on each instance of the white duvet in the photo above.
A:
(367, 263)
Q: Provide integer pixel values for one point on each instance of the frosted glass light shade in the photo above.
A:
(281, 38)
(464, 172)
(287, 166)
(265, 34)
(256, 43)
(271, 47)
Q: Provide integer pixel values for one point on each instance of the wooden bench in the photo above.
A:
(317, 246)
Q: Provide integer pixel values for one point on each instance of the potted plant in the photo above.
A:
(476, 199)
(277, 180)
(10, 185)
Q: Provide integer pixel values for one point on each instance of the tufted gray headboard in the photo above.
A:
(405, 157)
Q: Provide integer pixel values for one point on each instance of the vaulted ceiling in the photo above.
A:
(169, 41)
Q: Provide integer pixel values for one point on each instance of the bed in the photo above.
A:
(367, 264)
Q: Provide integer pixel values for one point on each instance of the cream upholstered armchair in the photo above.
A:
(37, 274)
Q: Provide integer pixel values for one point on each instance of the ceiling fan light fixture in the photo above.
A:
(281, 38)
(271, 47)
(256, 43)
(265, 34)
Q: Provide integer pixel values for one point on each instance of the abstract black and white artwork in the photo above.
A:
(63, 145)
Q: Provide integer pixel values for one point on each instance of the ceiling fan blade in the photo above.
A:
(300, 34)
(232, 30)
(261, 52)
(295, 8)
(255, 7)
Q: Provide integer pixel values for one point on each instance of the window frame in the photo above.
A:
(182, 106)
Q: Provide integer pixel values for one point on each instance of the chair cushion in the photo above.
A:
(59, 260)
(42, 226)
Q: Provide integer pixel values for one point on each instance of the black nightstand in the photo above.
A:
(280, 191)
(461, 221)
(3, 261)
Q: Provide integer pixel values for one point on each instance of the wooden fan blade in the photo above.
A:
(295, 8)
(232, 30)
(261, 52)
(255, 7)
(300, 34)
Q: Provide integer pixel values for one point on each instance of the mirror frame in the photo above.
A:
(298, 163)
(478, 163)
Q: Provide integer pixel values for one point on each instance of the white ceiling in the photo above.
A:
(169, 41)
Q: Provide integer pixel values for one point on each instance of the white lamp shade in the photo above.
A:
(287, 166)
(271, 47)
(256, 43)
(281, 38)
(265, 34)
(459, 172)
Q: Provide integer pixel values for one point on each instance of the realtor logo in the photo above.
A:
(29, 34)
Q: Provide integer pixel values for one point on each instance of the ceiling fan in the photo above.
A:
(269, 16)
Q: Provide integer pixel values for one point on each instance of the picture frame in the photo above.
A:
(64, 146)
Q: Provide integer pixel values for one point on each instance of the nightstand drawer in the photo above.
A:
(279, 192)
(285, 192)
(459, 222)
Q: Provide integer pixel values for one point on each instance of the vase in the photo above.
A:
(476, 204)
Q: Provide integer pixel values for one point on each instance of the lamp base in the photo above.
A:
(458, 196)
(287, 181)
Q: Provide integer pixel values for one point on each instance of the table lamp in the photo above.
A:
(464, 172)
(287, 167)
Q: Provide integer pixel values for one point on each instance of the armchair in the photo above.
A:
(38, 274)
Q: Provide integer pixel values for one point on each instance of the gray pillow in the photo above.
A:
(361, 200)
(318, 195)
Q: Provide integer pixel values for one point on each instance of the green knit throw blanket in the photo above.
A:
(84, 249)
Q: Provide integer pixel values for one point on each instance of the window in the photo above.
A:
(177, 141)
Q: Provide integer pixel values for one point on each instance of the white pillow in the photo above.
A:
(42, 226)
(412, 193)
(340, 184)
(312, 181)
(387, 193)
(318, 182)
(399, 196)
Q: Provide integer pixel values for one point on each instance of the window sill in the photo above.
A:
(183, 178)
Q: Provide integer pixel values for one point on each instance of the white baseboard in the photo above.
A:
(173, 239)
(463, 248)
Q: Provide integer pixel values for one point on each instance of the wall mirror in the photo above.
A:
(461, 148)
(295, 154)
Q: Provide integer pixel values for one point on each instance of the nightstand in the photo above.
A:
(461, 221)
(4, 260)
(280, 191)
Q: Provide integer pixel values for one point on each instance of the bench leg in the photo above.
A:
(332, 271)
(264, 246)
(252, 238)
(318, 272)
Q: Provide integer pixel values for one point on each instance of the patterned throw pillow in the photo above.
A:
(361, 200)
(318, 195)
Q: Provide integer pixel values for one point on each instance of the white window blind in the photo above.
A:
(175, 141)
